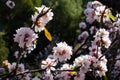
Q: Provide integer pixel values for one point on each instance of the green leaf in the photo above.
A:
(105, 77)
(111, 17)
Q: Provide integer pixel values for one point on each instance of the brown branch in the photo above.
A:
(110, 48)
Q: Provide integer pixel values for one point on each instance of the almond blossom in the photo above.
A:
(96, 4)
(42, 21)
(101, 10)
(90, 14)
(48, 64)
(64, 75)
(62, 51)
(101, 68)
(20, 68)
(83, 62)
(25, 37)
(102, 36)
(79, 76)
(94, 12)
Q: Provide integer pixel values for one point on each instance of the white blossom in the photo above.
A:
(64, 75)
(101, 68)
(90, 13)
(96, 4)
(79, 76)
(100, 11)
(102, 36)
(43, 20)
(83, 62)
(62, 51)
(82, 25)
(48, 64)
(21, 67)
(25, 37)
(106, 42)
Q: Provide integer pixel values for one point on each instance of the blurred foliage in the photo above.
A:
(67, 15)
(3, 49)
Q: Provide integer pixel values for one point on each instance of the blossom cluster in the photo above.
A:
(26, 38)
(95, 10)
(39, 23)
(61, 64)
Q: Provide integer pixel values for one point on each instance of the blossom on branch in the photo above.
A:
(62, 51)
(79, 76)
(26, 38)
(20, 68)
(101, 10)
(83, 62)
(65, 75)
(48, 64)
(43, 20)
(102, 37)
(96, 11)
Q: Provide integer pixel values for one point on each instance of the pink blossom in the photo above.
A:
(42, 21)
(62, 51)
(25, 37)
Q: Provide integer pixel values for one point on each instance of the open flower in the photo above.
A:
(48, 64)
(102, 35)
(65, 75)
(42, 21)
(20, 68)
(62, 51)
(79, 76)
(83, 62)
(100, 11)
(96, 4)
(25, 37)
(101, 68)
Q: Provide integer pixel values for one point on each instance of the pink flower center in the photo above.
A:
(63, 52)
(26, 37)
